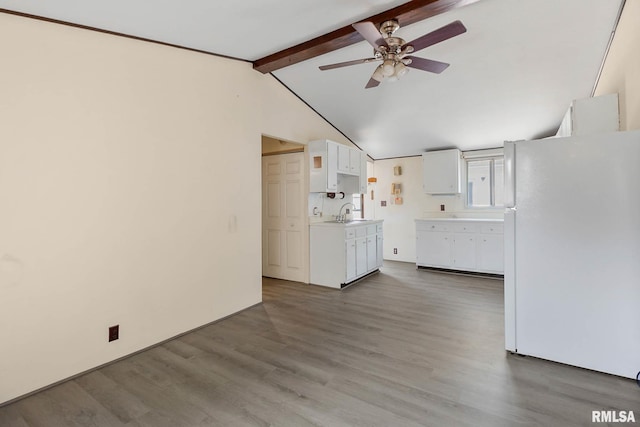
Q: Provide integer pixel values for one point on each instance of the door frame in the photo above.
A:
(303, 206)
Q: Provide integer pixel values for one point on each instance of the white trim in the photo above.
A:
(491, 152)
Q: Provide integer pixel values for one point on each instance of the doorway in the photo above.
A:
(285, 235)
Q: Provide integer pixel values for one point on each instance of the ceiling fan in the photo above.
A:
(394, 51)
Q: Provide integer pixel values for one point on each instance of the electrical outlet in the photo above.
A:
(114, 333)
(395, 251)
(442, 208)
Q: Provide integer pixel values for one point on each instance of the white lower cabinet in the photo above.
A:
(464, 251)
(491, 252)
(372, 254)
(468, 245)
(362, 254)
(350, 261)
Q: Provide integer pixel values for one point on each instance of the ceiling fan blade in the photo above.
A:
(370, 33)
(441, 34)
(372, 83)
(346, 64)
(427, 64)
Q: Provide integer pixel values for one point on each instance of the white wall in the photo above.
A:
(130, 194)
(399, 225)
(621, 71)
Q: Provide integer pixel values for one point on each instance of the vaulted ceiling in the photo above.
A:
(512, 74)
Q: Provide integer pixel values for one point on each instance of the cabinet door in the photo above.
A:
(441, 172)
(372, 254)
(332, 166)
(433, 248)
(379, 257)
(363, 173)
(344, 158)
(464, 251)
(354, 162)
(361, 256)
(491, 253)
(350, 246)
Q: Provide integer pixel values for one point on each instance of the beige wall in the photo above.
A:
(621, 71)
(130, 188)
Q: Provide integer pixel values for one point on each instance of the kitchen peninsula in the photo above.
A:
(344, 252)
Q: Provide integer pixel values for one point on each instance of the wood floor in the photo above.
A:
(405, 347)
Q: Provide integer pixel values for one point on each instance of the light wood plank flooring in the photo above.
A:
(405, 347)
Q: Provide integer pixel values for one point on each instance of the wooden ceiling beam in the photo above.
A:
(406, 14)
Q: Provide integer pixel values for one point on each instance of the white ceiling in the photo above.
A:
(512, 74)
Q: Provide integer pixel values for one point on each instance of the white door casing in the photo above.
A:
(284, 236)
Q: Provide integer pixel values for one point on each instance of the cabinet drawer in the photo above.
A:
(350, 233)
(379, 228)
(465, 228)
(361, 231)
(492, 228)
(371, 229)
(432, 226)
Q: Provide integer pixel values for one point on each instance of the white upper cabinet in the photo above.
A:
(344, 159)
(591, 115)
(363, 173)
(441, 172)
(336, 167)
(323, 164)
(354, 161)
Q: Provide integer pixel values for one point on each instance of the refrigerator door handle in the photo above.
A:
(510, 288)
(509, 174)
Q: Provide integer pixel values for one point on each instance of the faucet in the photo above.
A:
(341, 217)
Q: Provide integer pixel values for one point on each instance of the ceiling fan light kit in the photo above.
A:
(388, 67)
(401, 69)
(393, 51)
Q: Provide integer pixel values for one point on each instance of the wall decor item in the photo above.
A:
(397, 170)
(396, 188)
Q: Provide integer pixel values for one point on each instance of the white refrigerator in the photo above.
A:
(572, 248)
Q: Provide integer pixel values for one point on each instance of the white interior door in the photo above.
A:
(284, 233)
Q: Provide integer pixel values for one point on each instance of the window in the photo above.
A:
(485, 179)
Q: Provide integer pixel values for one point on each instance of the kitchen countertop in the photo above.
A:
(463, 219)
(351, 223)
